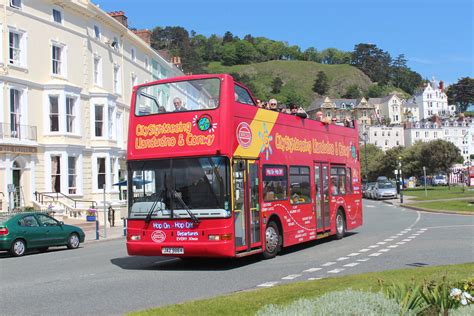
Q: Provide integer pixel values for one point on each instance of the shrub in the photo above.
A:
(346, 302)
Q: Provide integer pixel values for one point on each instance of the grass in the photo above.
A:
(249, 302)
(460, 206)
(298, 76)
(439, 193)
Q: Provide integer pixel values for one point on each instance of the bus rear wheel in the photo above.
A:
(340, 224)
(272, 241)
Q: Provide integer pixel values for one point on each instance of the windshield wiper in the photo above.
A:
(159, 197)
(186, 207)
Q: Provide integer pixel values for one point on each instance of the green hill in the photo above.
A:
(297, 76)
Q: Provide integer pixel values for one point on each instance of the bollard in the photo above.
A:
(124, 226)
(96, 230)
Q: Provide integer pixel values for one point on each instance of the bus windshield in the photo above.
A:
(171, 186)
(189, 95)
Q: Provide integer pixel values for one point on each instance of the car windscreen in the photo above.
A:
(387, 185)
(180, 96)
(178, 184)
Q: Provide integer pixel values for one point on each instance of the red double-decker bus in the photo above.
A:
(210, 174)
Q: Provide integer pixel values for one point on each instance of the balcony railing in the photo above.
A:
(17, 131)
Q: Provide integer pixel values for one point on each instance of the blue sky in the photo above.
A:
(435, 36)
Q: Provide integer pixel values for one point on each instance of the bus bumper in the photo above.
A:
(216, 249)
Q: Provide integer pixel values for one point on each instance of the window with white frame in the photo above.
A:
(72, 175)
(15, 112)
(17, 48)
(116, 43)
(99, 120)
(110, 122)
(56, 173)
(97, 32)
(70, 114)
(417, 134)
(97, 70)
(57, 16)
(54, 113)
(15, 4)
(57, 52)
(426, 134)
(101, 173)
(117, 83)
(133, 55)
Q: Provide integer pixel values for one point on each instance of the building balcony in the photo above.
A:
(17, 134)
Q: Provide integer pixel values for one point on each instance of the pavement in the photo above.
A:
(89, 228)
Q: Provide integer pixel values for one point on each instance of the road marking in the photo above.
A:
(388, 239)
(417, 234)
(370, 206)
(342, 258)
(336, 270)
(401, 243)
(353, 264)
(406, 240)
(400, 234)
(291, 277)
(385, 250)
(393, 246)
(423, 229)
(375, 254)
(364, 250)
(373, 246)
(416, 221)
(381, 243)
(312, 279)
(363, 260)
(268, 284)
(312, 270)
(393, 237)
(411, 237)
(450, 226)
(353, 254)
(327, 264)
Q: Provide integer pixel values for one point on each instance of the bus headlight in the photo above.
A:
(220, 237)
(135, 237)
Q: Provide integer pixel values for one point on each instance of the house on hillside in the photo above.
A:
(432, 100)
(388, 108)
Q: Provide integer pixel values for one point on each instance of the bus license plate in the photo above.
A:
(172, 250)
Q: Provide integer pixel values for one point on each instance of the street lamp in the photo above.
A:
(365, 156)
(401, 179)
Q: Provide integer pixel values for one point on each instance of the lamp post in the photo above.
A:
(365, 156)
(401, 179)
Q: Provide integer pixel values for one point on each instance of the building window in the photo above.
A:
(133, 54)
(97, 71)
(375, 133)
(15, 47)
(383, 133)
(72, 175)
(388, 134)
(398, 143)
(426, 134)
(53, 113)
(116, 43)
(110, 122)
(364, 113)
(386, 142)
(417, 134)
(70, 116)
(299, 185)
(101, 173)
(435, 134)
(97, 32)
(57, 16)
(396, 133)
(396, 118)
(15, 96)
(375, 143)
(99, 120)
(56, 58)
(117, 82)
(56, 173)
(15, 4)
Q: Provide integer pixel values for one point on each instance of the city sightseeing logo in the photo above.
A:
(204, 123)
(266, 139)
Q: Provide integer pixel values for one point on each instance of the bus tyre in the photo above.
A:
(340, 224)
(272, 241)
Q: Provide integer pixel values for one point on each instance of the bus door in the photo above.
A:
(321, 180)
(246, 205)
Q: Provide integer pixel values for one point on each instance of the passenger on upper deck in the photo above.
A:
(273, 104)
(161, 109)
(178, 105)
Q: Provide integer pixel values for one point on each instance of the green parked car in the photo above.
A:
(22, 231)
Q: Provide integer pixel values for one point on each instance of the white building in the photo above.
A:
(66, 74)
(386, 137)
(432, 100)
(388, 107)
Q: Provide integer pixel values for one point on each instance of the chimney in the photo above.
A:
(145, 35)
(441, 85)
(120, 16)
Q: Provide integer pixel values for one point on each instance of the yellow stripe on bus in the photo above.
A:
(264, 119)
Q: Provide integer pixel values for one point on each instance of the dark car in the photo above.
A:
(35, 230)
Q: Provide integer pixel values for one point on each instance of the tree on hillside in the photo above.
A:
(229, 54)
(399, 64)
(295, 98)
(321, 84)
(245, 52)
(375, 91)
(311, 54)
(228, 37)
(374, 159)
(373, 61)
(277, 83)
(352, 92)
(461, 93)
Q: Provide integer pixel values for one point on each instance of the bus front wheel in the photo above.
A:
(340, 224)
(272, 240)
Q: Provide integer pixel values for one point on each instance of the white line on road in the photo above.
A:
(268, 284)
(393, 237)
(406, 240)
(381, 243)
(291, 277)
(373, 246)
(353, 264)
(363, 260)
(370, 206)
(364, 250)
(393, 246)
(401, 243)
(411, 237)
(336, 270)
(353, 254)
(388, 239)
(342, 258)
(312, 279)
(375, 254)
(312, 270)
(385, 250)
(327, 264)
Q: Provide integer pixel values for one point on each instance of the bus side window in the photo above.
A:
(242, 96)
(275, 183)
